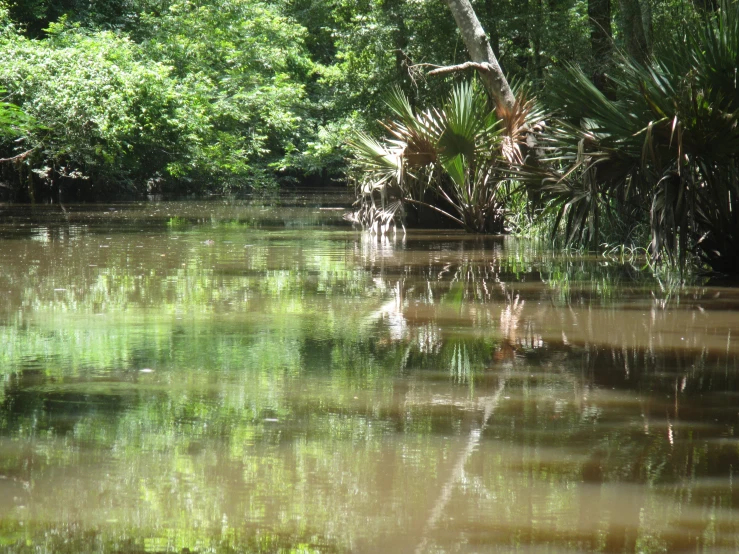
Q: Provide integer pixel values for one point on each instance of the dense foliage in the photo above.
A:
(107, 114)
(188, 96)
(222, 95)
(220, 100)
(452, 160)
(661, 151)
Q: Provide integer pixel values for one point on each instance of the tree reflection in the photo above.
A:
(319, 389)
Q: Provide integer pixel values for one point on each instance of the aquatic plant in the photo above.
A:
(177, 221)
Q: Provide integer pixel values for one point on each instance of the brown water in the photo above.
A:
(257, 376)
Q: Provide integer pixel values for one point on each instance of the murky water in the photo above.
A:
(259, 377)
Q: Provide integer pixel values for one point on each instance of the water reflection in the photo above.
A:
(235, 376)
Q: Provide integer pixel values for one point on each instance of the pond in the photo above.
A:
(258, 376)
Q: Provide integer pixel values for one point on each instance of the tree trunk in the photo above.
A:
(481, 52)
(601, 36)
(393, 11)
(535, 32)
(646, 18)
(632, 18)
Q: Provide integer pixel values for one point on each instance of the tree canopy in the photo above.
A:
(196, 95)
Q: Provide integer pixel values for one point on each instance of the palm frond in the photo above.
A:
(455, 154)
(662, 147)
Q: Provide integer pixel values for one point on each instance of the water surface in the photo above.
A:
(257, 376)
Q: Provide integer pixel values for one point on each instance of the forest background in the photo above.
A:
(623, 131)
(149, 96)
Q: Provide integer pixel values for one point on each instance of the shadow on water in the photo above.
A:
(233, 376)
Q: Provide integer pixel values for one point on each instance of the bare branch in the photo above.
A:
(482, 67)
(415, 65)
(412, 70)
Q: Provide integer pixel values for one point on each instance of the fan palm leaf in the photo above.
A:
(666, 145)
(454, 153)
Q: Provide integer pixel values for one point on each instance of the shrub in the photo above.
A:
(106, 113)
(453, 160)
(208, 96)
(662, 148)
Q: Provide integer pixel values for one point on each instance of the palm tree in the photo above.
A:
(451, 160)
(663, 148)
